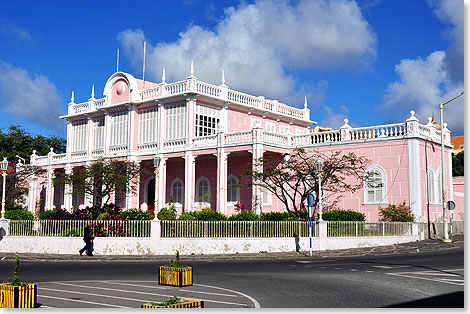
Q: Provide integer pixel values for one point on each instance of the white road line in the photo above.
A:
(337, 268)
(353, 269)
(154, 294)
(255, 303)
(430, 279)
(312, 262)
(434, 274)
(184, 290)
(95, 295)
(391, 267)
(88, 302)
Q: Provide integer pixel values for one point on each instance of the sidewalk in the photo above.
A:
(404, 248)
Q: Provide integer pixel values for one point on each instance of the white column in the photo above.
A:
(90, 138)
(222, 180)
(131, 128)
(161, 191)
(414, 166)
(107, 131)
(161, 125)
(189, 174)
(68, 190)
(257, 152)
(32, 194)
(191, 120)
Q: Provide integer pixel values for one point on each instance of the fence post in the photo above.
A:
(4, 227)
(323, 234)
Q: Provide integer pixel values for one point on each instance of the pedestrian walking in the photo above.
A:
(37, 225)
(88, 239)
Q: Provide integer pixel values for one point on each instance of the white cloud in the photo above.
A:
(423, 84)
(34, 98)
(10, 29)
(451, 12)
(334, 119)
(256, 43)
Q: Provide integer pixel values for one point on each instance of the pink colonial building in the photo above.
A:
(207, 135)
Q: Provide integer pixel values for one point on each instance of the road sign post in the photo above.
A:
(311, 201)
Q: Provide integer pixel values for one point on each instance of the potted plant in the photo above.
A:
(175, 274)
(175, 302)
(17, 294)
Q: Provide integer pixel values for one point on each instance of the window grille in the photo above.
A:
(375, 186)
(271, 127)
(79, 136)
(207, 120)
(255, 123)
(203, 190)
(233, 190)
(431, 187)
(175, 127)
(148, 126)
(177, 190)
(98, 133)
(119, 129)
(283, 129)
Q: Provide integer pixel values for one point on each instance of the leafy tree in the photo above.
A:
(101, 179)
(291, 177)
(17, 184)
(17, 141)
(458, 164)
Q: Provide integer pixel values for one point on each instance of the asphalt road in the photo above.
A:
(433, 278)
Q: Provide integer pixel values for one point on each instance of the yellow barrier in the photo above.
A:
(18, 296)
(175, 276)
(187, 303)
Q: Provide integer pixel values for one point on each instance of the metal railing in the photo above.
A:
(234, 229)
(368, 229)
(75, 228)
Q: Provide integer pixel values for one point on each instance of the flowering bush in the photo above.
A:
(393, 212)
(239, 206)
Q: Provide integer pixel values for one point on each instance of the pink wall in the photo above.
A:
(119, 92)
(458, 186)
(237, 164)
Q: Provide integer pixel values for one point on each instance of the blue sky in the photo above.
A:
(370, 61)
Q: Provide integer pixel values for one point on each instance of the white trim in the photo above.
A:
(199, 181)
(237, 189)
(177, 180)
(383, 188)
(414, 178)
(146, 195)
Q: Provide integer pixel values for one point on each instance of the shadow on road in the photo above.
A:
(450, 300)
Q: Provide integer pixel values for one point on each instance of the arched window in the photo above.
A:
(203, 191)
(233, 190)
(431, 187)
(438, 188)
(375, 186)
(177, 190)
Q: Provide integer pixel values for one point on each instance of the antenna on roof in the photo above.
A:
(143, 69)
(117, 61)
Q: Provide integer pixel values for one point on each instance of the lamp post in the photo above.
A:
(319, 169)
(444, 209)
(156, 164)
(4, 167)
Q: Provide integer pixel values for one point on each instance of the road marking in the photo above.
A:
(436, 273)
(255, 303)
(369, 271)
(96, 295)
(337, 268)
(88, 302)
(353, 269)
(391, 267)
(312, 262)
(158, 287)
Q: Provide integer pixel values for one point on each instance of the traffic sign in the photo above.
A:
(450, 205)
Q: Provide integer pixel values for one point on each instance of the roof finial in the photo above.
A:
(223, 79)
(163, 76)
(93, 91)
(305, 103)
(191, 73)
(72, 99)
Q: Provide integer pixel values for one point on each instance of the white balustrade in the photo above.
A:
(239, 137)
(176, 143)
(391, 130)
(79, 155)
(79, 108)
(99, 103)
(147, 147)
(244, 99)
(58, 158)
(176, 88)
(151, 93)
(275, 138)
(290, 111)
(205, 141)
(208, 89)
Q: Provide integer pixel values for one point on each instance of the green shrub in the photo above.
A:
(167, 213)
(19, 214)
(207, 214)
(244, 215)
(55, 214)
(343, 215)
(276, 216)
(135, 214)
(187, 216)
(396, 213)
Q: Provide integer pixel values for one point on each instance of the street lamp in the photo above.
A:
(319, 169)
(4, 167)
(444, 209)
(156, 164)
